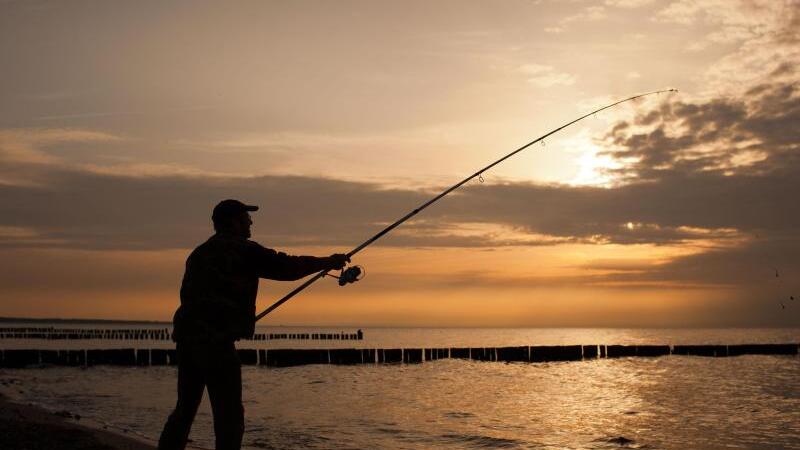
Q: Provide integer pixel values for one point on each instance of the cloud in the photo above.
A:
(682, 12)
(766, 31)
(101, 211)
(25, 145)
(750, 136)
(767, 56)
(546, 76)
(747, 17)
(588, 14)
(628, 3)
(102, 114)
(633, 75)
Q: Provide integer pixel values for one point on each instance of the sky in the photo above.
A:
(123, 123)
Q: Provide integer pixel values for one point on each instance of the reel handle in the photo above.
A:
(349, 275)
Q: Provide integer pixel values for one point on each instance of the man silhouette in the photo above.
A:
(218, 301)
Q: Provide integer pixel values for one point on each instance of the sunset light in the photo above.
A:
(118, 138)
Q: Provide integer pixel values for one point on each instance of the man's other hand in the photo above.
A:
(337, 261)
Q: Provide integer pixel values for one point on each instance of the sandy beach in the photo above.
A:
(27, 427)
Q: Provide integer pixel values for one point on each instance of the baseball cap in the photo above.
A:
(230, 208)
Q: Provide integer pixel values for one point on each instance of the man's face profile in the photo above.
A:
(240, 225)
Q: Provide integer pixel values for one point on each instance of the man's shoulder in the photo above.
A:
(226, 240)
(221, 244)
(255, 244)
(258, 249)
(228, 244)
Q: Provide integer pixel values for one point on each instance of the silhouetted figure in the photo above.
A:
(360, 335)
(218, 301)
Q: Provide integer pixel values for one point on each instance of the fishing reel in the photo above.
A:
(350, 275)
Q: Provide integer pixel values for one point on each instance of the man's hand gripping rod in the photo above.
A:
(416, 211)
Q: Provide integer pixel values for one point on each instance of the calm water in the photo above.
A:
(670, 402)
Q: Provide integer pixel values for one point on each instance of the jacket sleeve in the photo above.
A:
(275, 265)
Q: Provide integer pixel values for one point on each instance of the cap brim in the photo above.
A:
(250, 208)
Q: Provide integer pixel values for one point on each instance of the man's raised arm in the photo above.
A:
(279, 266)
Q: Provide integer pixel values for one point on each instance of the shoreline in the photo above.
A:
(32, 427)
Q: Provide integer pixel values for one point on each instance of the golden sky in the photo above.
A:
(122, 124)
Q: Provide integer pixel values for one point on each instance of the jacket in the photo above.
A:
(220, 284)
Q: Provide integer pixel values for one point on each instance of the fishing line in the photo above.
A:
(354, 276)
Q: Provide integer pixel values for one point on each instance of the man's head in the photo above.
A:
(232, 216)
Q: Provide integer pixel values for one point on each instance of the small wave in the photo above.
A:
(500, 426)
(619, 441)
(294, 439)
(458, 415)
(260, 443)
(481, 441)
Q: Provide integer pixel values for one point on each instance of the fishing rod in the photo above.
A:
(352, 274)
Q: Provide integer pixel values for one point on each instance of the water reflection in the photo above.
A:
(673, 402)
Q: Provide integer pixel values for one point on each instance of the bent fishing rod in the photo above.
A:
(351, 274)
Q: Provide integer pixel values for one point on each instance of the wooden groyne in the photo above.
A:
(150, 334)
(52, 333)
(346, 356)
(341, 336)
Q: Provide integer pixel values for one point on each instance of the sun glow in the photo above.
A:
(593, 167)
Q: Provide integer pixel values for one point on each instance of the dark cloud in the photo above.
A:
(89, 210)
(680, 139)
(84, 210)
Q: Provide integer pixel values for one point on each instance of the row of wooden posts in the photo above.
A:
(357, 336)
(76, 330)
(122, 334)
(296, 357)
(154, 335)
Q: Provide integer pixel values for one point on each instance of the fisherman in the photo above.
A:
(218, 300)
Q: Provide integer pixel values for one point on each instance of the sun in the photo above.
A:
(593, 167)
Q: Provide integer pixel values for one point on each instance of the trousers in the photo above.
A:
(212, 366)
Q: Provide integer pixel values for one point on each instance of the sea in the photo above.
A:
(669, 402)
